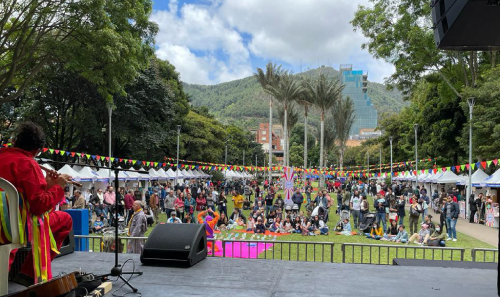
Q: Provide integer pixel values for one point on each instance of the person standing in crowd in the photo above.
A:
(109, 204)
(137, 226)
(297, 198)
(222, 204)
(401, 209)
(415, 210)
(424, 202)
(170, 205)
(189, 205)
(210, 201)
(129, 201)
(355, 206)
(269, 203)
(137, 194)
(346, 200)
(380, 207)
(308, 191)
(153, 206)
(201, 202)
(237, 200)
(97, 200)
(364, 208)
(474, 203)
(79, 200)
(451, 212)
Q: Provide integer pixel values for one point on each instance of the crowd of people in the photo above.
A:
(374, 210)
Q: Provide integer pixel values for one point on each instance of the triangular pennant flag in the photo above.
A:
(144, 162)
(483, 164)
(112, 159)
(120, 160)
(62, 153)
(57, 151)
(489, 163)
(495, 162)
(156, 164)
(467, 166)
(462, 167)
(45, 149)
(134, 161)
(474, 166)
(73, 154)
(88, 156)
(98, 157)
(67, 153)
(457, 168)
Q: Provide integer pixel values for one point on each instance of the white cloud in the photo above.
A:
(205, 42)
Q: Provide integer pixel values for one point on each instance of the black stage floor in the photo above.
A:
(239, 277)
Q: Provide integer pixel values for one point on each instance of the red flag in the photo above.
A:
(46, 149)
(457, 168)
(483, 164)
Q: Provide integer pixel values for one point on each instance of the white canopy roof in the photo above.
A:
(493, 181)
(88, 174)
(477, 179)
(66, 169)
(203, 174)
(436, 176)
(163, 174)
(104, 172)
(154, 175)
(448, 178)
(186, 174)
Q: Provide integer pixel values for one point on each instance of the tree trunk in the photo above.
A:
(341, 158)
(321, 143)
(270, 136)
(305, 138)
(285, 136)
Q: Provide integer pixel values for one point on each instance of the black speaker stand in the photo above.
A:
(117, 269)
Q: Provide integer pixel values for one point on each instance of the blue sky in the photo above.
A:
(214, 41)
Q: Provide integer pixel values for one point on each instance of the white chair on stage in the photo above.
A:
(10, 194)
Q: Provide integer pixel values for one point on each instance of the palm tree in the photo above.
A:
(324, 93)
(343, 119)
(305, 101)
(286, 91)
(292, 117)
(265, 79)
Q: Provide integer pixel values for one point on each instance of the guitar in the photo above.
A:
(54, 287)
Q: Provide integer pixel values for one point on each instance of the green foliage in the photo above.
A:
(297, 155)
(106, 42)
(244, 103)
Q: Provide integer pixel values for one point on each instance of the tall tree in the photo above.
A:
(343, 118)
(324, 92)
(106, 42)
(292, 117)
(266, 79)
(305, 101)
(286, 91)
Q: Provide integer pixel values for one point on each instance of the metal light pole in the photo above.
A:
(416, 155)
(225, 161)
(270, 136)
(380, 163)
(390, 141)
(243, 158)
(178, 141)
(368, 165)
(110, 112)
(471, 103)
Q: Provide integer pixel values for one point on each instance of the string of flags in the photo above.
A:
(171, 162)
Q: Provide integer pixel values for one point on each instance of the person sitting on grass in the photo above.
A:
(287, 225)
(297, 225)
(420, 237)
(250, 224)
(428, 221)
(402, 236)
(392, 231)
(275, 226)
(187, 220)
(376, 232)
(323, 228)
(98, 225)
(260, 227)
(222, 222)
(173, 219)
(305, 225)
(437, 238)
(346, 228)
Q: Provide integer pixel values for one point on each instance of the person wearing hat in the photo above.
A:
(260, 227)
(209, 218)
(420, 237)
(174, 219)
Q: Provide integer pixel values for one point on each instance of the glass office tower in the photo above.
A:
(356, 88)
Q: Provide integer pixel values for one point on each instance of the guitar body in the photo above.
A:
(54, 287)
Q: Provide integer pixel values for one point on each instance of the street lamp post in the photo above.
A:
(380, 162)
(416, 155)
(225, 161)
(178, 141)
(110, 112)
(390, 141)
(471, 103)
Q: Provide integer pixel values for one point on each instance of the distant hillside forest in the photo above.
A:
(243, 103)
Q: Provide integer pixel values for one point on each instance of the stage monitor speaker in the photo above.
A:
(175, 244)
(466, 24)
(68, 245)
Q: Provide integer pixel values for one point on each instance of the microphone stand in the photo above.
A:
(117, 269)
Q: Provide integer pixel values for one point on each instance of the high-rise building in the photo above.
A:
(356, 87)
(262, 137)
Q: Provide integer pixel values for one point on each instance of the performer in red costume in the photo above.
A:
(39, 195)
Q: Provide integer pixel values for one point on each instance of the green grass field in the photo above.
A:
(310, 252)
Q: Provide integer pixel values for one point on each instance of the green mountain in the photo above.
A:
(242, 102)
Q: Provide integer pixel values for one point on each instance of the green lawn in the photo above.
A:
(309, 252)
